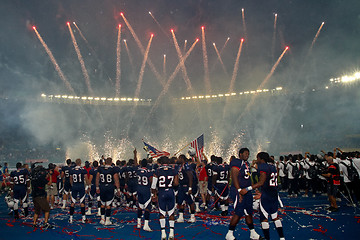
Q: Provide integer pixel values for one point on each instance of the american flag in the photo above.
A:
(198, 145)
(154, 153)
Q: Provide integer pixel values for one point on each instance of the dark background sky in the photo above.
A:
(272, 124)
(26, 69)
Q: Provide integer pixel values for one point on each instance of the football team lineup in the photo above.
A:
(169, 188)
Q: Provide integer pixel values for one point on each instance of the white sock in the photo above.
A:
(278, 223)
(162, 223)
(231, 232)
(222, 207)
(265, 225)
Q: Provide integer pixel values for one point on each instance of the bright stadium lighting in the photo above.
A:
(76, 97)
(71, 97)
(327, 87)
(116, 99)
(241, 93)
(43, 95)
(194, 97)
(103, 98)
(259, 90)
(207, 96)
(253, 92)
(233, 94)
(123, 99)
(279, 88)
(357, 75)
(57, 96)
(265, 90)
(90, 98)
(182, 98)
(220, 95)
(247, 92)
(201, 96)
(97, 99)
(214, 96)
(129, 99)
(187, 98)
(64, 96)
(227, 94)
(110, 99)
(136, 99)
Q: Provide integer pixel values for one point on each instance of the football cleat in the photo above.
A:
(229, 236)
(147, 228)
(180, 220)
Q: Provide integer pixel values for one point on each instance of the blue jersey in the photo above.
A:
(144, 176)
(195, 177)
(93, 172)
(244, 172)
(20, 177)
(78, 176)
(165, 175)
(269, 189)
(122, 176)
(222, 173)
(183, 175)
(209, 171)
(106, 175)
(66, 170)
(131, 172)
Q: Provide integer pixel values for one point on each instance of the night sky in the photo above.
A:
(262, 124)
(27, 70)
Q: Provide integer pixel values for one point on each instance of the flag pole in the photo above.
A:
(181, 150)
